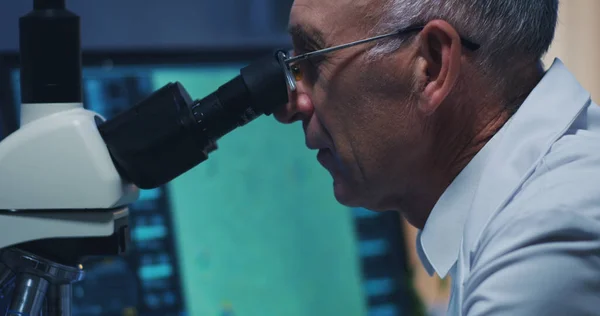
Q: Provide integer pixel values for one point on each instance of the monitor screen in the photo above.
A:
(253, 231)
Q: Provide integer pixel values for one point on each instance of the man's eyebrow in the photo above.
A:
(307, 35)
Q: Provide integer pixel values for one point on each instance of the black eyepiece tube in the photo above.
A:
(168, 133)
(50, 53)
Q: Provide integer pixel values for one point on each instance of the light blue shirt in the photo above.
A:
(519, 229)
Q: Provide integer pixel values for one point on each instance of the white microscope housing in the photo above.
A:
(58, 185)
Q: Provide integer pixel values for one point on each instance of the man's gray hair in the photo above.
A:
(507, 30)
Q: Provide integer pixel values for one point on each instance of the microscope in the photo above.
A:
(67, 175)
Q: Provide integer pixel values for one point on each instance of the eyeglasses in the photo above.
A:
(293, 72)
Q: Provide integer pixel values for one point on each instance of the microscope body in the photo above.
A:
(62, 199)
(67, 175)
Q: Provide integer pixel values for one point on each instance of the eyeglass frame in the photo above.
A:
(287, 60)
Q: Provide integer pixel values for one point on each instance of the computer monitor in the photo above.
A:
(253, 231)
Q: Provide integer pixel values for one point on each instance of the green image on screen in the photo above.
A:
(258, 230)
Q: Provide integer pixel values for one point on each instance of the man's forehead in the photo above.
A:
(317, 17)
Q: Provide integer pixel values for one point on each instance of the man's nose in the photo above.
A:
(298, 108)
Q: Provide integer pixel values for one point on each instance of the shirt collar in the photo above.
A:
(439, 241)
(496, 170)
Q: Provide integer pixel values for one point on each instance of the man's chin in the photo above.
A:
(344, 195)
(349, 196)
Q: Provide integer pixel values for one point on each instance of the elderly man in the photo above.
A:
(442, 111)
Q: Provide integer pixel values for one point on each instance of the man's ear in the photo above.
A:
(440, 49)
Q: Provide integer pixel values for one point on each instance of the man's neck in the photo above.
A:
(464, 131)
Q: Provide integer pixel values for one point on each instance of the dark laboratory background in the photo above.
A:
(180, 262)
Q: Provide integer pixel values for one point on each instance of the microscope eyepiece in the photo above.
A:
(258, 89)
(168, 133)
